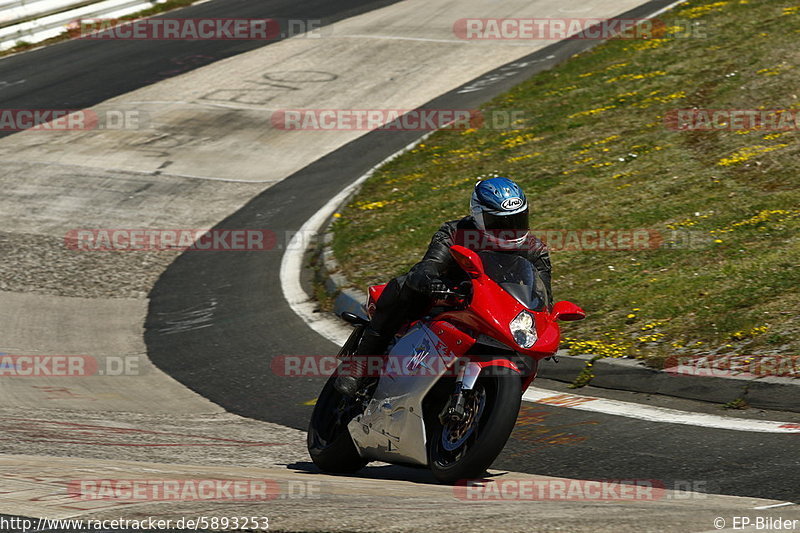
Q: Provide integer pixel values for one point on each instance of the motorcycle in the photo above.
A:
(448, 393)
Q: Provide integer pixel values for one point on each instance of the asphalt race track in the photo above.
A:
(205, 326)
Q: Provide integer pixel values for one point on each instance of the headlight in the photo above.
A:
(523, 329)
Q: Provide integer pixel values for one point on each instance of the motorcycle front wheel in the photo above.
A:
(465, 449)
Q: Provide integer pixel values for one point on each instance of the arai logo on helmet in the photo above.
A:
(509, 204)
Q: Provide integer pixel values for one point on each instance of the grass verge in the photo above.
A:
(593, 152)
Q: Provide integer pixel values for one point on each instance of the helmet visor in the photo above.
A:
(517, 221)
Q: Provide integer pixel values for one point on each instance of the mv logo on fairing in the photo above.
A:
(420, 353)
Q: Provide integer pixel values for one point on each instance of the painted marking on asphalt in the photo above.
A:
(761, 508)
(424, 39)
(666, 8)
(653, 413)
(136, 172)
(311, 402)
(401, 38)
(4, 84)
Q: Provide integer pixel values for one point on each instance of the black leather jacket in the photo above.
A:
(438, 263)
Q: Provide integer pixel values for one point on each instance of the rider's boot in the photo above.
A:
(372, 344)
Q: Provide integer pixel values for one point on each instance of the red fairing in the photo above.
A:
(492, 309)
(490, 313)
(451, 338)
(549, 336)
(375, 292)
(498, 362)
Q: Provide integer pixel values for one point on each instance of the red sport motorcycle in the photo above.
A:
(448, 393)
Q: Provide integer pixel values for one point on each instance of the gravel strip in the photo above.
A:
(42, 264)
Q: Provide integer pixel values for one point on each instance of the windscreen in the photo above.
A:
(517, 276)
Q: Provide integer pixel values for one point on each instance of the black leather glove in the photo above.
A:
(436, 285)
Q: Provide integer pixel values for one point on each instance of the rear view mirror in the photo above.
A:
(468, 260)
(567, 312)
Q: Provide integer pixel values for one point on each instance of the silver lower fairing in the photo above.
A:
(392, 427)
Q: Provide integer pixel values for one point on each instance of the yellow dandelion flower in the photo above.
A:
(745, 154)
(591, 112)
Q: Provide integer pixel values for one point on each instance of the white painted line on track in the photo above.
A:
(654, 414)
(666, 8)
(423, 39)
(786, 504)
(292, 262)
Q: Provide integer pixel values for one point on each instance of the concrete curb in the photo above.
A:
(782, 394)
(329, 273)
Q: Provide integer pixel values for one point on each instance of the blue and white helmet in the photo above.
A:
(500, 210)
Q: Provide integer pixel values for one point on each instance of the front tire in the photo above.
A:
(329, 442)
(465, 450)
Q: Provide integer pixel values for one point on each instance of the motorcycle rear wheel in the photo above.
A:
(329, 442)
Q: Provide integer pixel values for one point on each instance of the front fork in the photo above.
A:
(454, 410)
(468, 374)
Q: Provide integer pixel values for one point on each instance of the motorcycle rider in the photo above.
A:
(498, 221)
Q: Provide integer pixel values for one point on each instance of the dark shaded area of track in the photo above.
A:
(217, 319)
(570, 443)
(82, 72)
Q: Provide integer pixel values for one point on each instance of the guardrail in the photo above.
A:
(34, 21)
